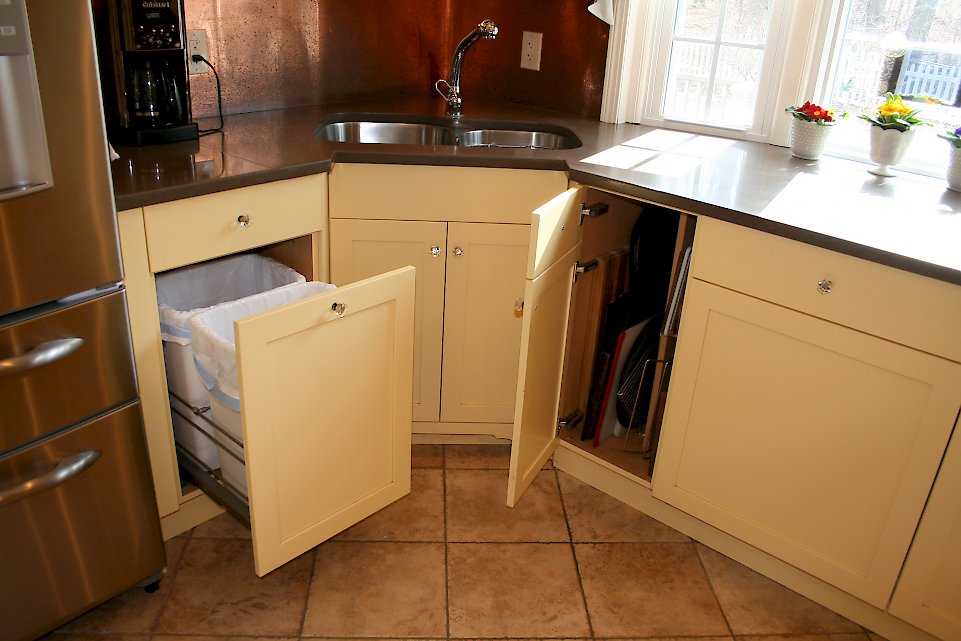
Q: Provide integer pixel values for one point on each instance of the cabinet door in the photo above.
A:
(811, 441)
(364, 248)
(482, 322)
(552, 255)
(929, 590)
(325, 399)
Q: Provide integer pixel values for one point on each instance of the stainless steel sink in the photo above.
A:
(399, 129)
(396, 133)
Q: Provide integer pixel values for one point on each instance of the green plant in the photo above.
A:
(953, 137)
(893, 114)
(810, 112)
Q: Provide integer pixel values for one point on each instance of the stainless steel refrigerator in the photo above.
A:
(78, 518)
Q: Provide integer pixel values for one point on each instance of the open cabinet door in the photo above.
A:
(553, 253)
(326, 404)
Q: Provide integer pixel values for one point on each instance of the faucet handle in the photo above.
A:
(450, 95)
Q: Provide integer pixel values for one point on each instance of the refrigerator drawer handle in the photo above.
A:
(65, 470)
(42, 354)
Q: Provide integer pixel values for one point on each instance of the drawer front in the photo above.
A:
(906, 308)
(459, 194)
(188, 231)
(97, 369)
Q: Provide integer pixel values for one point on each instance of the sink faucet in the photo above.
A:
(451, 91)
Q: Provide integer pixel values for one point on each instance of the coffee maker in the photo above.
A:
(143, 71)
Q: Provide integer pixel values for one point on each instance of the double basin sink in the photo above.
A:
(400, 129)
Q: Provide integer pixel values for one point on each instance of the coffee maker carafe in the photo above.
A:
(143, 67)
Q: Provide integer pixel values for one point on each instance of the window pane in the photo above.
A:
(735, 89)
(745, 21)
(688, 81)
(697, 19)
(908, 47)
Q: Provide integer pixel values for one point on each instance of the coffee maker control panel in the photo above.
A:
(155, 25)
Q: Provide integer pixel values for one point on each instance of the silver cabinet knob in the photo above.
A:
(434, 251)
(824, 286)
(244, 220)
(458, 251)
(339, 308)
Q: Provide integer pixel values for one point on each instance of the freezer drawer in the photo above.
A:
(41, 360)
(73, 543)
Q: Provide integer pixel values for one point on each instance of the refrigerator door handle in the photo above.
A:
(42, 354)
(65, 470)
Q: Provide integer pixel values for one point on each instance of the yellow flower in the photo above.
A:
(893, 106)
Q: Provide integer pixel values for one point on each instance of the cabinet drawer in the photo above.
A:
(906, 308)
(187, 231)
(457, 194)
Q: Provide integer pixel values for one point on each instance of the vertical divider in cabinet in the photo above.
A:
(665, 347)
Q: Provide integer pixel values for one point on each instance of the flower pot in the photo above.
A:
(808, 139)
(954, 169)
(887, 148)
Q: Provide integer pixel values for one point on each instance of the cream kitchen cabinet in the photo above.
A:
(811, 401)
(322, 452)
(928, 593)
(467, 232)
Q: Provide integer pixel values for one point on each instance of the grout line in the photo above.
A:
(310, 585)
(443, 470)
(710, 582)
(570, 542)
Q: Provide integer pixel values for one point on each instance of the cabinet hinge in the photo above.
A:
(593, 210)
(569, 421)
(583, 269)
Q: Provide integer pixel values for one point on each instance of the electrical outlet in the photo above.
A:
(531, 50)
(197, 43)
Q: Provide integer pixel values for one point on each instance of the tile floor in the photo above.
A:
(451, 561)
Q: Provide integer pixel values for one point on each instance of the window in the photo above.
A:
(713, 64)
(730, 67)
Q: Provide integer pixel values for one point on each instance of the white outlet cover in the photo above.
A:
(197, 43)
(531, 50)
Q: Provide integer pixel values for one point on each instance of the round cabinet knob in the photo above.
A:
(434, 251)
(339, 308)
(458, 251)
(518, 307)
(824, 286)
(244, 220)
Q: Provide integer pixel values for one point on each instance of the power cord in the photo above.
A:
(220, 106)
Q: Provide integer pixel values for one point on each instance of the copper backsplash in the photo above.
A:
(287, 53)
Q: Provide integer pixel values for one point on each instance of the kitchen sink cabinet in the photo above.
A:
(470, 279)
(467, 232)
(928, 593)
(790, 427)
(321, 451)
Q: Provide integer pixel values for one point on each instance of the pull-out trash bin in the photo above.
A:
(183, 293)
(215, 355)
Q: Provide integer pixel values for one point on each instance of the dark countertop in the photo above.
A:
(909, 222)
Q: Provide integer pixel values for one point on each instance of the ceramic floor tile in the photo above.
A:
(477, 457)
(477, 509)
(133, 611)
(754, 604)
(191, 637)
(858, 636)
(89, 636)
(419, 516)
(225, 526)
(514, 590)
(426, 455)
(377, 590)
(597, 517)
(215, 591)
(648, 589)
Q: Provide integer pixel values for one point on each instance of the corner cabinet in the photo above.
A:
(812, 398)
(322, 451)
(467, 231)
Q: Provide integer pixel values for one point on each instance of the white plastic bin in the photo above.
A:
(215, 355)
(183, 293)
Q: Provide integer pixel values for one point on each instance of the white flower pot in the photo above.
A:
(954, 169)
(808, 139)
(887, 148)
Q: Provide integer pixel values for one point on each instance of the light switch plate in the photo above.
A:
(197, 43)
(531, 50)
